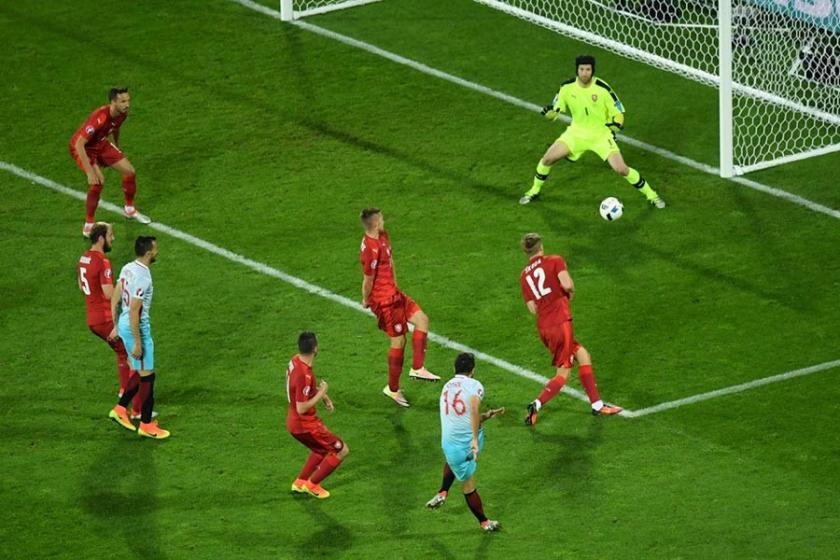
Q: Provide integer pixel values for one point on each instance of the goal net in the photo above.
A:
(778, 75)
(296, 9)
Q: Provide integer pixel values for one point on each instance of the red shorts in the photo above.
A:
(102, 154)
(393, 317)
(102, 330)
(560, 340)
(320, 440)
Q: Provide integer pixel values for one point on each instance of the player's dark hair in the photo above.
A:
(115, 91)
(368, 213)
(307, 341)
(143, 244)
(531, 243)
(98, 231)
(585, 59)
(464, 363)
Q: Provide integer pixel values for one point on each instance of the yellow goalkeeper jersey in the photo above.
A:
(591, 108)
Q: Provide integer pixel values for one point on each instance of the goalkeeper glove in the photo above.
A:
(549, 112)
(617, 123)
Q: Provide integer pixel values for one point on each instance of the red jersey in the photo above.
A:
(376, 261)
(300, 387)
(541, 285)
(98, 126)
(94, 270)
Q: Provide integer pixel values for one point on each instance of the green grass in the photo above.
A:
(267, 140)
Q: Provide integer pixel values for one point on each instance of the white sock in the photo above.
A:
(597, 405)
(129, 209)
(538, 403)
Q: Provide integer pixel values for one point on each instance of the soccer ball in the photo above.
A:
(611, 209)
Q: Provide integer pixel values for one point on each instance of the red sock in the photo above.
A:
(587, 379)
(311, 464)
(475, 505)
(129, 186)
(418, 345)
(124, 371)
(137, 401)
(551, 389)
(328, 465)
(395, 365)
(92, 201)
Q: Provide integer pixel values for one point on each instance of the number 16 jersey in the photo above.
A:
(455, 409)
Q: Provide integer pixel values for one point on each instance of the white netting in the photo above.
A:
(785, 69)
(303, 8)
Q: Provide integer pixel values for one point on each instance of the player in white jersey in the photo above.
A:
(462, 436)
(134, 296)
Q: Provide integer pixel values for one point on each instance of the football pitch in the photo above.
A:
(714, 322)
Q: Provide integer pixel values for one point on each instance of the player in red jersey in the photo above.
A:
(96, 144)
(547, 289)
(327, 451)
(96, 281)
(393, 309)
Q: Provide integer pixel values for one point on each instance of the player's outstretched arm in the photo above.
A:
(492, 413)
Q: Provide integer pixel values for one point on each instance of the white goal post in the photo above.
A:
(776, 63)
(296, 9)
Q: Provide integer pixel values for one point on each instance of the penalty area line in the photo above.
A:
(734, 389)
(434, 337)
(285, 277)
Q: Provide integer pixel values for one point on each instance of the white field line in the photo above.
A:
(441, 340)
(420, 67)
(734, 389)
(285, 277)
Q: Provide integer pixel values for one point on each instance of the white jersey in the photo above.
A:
(135, 282)
(455, 409)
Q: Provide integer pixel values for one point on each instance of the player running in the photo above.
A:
(462, 437)
(393, 309)
(134, 297)
(95, 280)
(96, 144)
(327, 451)
(547, 289)
(597, 114)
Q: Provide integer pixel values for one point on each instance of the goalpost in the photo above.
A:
(296, 9)
(776, 63)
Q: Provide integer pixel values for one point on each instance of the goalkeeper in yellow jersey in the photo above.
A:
(597, 114)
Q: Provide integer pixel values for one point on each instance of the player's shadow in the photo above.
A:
(330, 539)
(412, 470)
(572, 454)
(120, 491)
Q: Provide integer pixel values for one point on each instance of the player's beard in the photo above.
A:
(106, 248)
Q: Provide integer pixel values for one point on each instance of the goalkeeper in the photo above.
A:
(596, 114)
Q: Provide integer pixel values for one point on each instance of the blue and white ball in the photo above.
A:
(611, 209)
